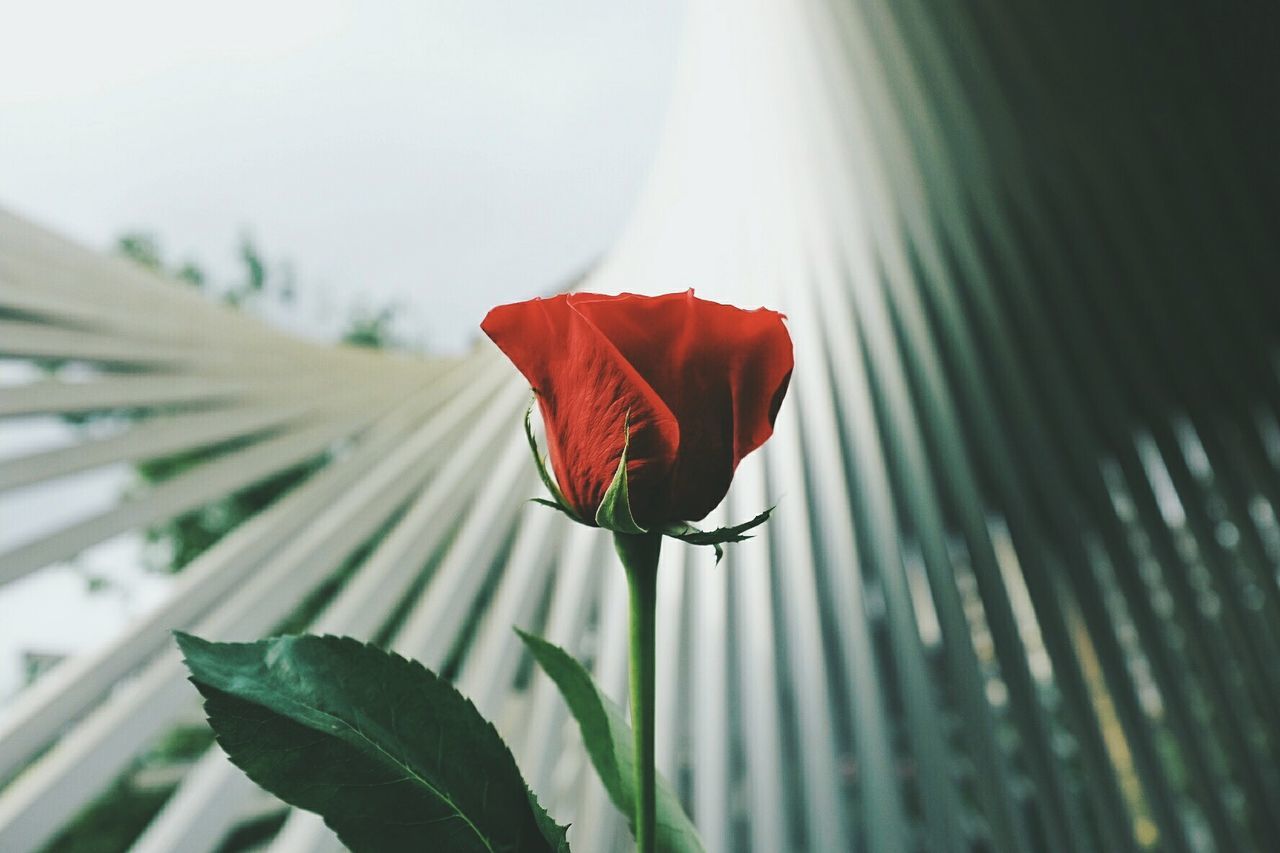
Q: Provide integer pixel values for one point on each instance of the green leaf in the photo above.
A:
(391, 755)
(715, 538)
(540, 461)
(614, 512)
(608, 740)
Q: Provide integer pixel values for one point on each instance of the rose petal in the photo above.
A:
(721, 370)
(585, 391)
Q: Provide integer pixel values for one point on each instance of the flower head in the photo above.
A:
(687, 386)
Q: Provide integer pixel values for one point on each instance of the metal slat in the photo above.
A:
(52, 396)
(709, 692)
(995, 265)
(581, 560)
(756, 646)
(595, 822)
(818, 751)
(37, 340)
(158, 437)
(186, 491)
(117, 729)
(190, 821)
(68, 691)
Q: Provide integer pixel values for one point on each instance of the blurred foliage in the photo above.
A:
(142, 248)
(180, 540)
(116, 819)
(112, 822)
(255, 277)
(371, 329)
(119, 816)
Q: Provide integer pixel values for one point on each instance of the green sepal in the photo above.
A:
(609, 745)
(555, 506)
(614, 512)
(686, 532)
(540, 461)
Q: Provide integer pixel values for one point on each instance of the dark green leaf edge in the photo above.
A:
(609, 744)
(213, 689)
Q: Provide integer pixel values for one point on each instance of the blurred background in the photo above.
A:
(380, 173)
(377, 151)
(1023, 588)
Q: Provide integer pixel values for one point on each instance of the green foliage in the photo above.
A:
(254, 834)
(255, 268)
(113, 822)
(255, 278)
(184, 538)
(371, 329)
(609, 743)
(118, 817)
(392, 756)
(186, 743)
(141, 247)
(191, 274)
(187, 536)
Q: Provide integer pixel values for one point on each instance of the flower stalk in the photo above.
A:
(639, 554)
(697, 386)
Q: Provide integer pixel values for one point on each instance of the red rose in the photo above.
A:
(700, 383)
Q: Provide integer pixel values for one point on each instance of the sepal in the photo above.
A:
(556, 506)
(686, 532)
(557, 501)
(614, 512)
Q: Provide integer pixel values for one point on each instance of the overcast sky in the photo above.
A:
(444, 156)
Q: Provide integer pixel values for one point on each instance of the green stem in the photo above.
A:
(640, 558)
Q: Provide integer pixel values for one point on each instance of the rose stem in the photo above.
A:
(640, 558)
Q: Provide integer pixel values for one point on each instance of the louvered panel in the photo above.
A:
(1020, 591)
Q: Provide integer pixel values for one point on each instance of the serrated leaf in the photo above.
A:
(686, 532)
(556, 836)
(391, 755)
(614, 512)
(558, 501)
(609, 744)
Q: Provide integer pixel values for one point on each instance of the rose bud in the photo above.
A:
(678, 387)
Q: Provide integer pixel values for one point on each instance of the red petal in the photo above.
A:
(722, 371)
(585, 390)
